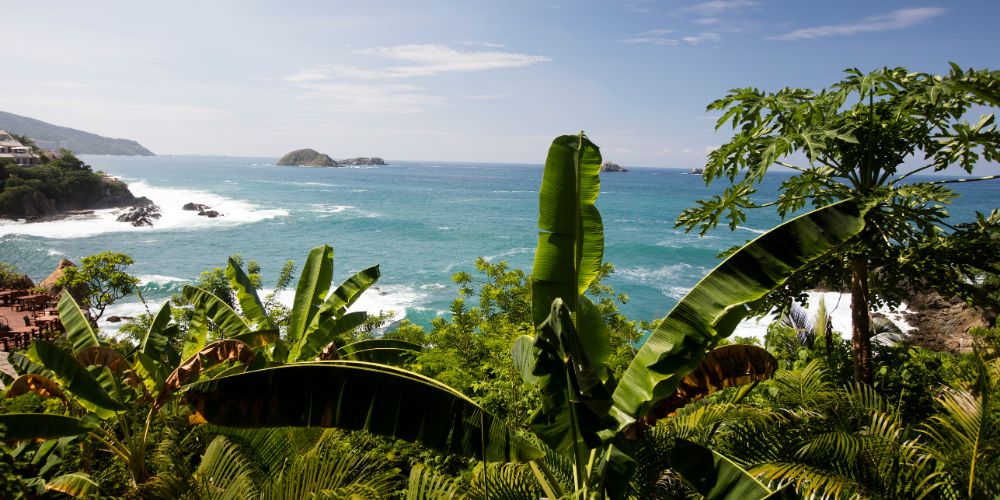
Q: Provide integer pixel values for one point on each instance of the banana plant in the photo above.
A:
(98, 385)
(587, 415)
(317, 316)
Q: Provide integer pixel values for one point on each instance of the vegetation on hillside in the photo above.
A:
(65, 183)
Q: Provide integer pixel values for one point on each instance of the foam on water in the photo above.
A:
(509, 253)
(392, 298)
(173, 216)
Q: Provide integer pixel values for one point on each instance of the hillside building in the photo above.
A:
(13, 149)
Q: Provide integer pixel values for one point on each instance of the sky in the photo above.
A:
(452, 80)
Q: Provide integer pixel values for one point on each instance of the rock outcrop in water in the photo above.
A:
(307, 158)
(203, 210)
(141, 214)
(612, 167)
(363, 161)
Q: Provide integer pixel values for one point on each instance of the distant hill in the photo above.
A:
(48, 136)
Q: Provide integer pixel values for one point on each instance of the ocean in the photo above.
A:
(421, 222)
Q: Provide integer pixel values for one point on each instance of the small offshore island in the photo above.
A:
(312, 158)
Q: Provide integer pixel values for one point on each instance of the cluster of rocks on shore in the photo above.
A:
(144, 212)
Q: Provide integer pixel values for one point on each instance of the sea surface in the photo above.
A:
(421, 222)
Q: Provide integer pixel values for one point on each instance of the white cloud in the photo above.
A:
(423, 60)
(895, 20)
(666, 37)
(701, 38)
(717, 7)
(655, 37)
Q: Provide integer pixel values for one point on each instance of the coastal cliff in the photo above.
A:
(307, 158)
(64, 184)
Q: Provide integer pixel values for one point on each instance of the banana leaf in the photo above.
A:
(315, 340)
(43, 386)
(356, 395)
(213, 354)
(726, 366)
(311, 291)
(576, 403)
(350, 290)
(383, 355)
(571, 234)
(217, 310)
(246, 295)
(75, 484)
(76, 324)
(713, 308)
(22, 426)
(74, 378)
(363, 345)
(155, 342)
(197, 333)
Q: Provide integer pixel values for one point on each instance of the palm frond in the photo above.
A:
(428, 484)
(508, 481)
(224, 472)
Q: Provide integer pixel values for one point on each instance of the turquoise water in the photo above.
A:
(421, 222)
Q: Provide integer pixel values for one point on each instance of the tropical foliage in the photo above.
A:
(859, 139)
(534, 386)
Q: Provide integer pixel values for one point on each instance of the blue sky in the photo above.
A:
(452, 81)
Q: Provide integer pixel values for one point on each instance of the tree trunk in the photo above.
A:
(861, 342)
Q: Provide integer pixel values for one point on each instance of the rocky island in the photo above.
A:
(313, 158)
(307, 158)
(362, 161)
(612, 167)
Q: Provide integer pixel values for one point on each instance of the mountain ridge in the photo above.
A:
(55, 137)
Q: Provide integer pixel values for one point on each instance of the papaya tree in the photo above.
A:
(586, 417)
(863, 138)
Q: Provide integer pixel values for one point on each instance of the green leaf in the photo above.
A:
(363, 345)
(575, 401)
(314, 342)
(74, 378)
(713, 308)
(197, 333)
(713, 475)
(217, 310)
(383, 356)
(523, 354)
(155, 341)
(75, 484)
(350, 290)
(78, 330)
(253, 308)
(571, 234)
(314, 284)
(355, 395)
(23, 426)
